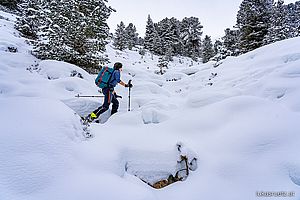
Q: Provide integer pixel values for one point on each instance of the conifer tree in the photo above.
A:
(230, 41)
(11, 4)
(74, 32)
(208, 51)
(278, 29)
(220, 51)
(168, 31)
(297, 24)
(175, 35)
(217, 46)
(131, 36)
(30, 20)
(165, 34)
(157, 44)
(297, 14)
(191, 31)
(152, 41)
(140, 41)
(163, 62)
(253, 20)
(120, 40)
(292, 19)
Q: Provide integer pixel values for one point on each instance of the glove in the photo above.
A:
(129, 85)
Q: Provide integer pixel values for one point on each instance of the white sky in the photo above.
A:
(214, 15)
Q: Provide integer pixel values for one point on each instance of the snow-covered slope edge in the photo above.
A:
(270, 72)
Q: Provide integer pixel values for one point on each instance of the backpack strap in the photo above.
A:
(102, 74)
(100, 79)
(109, 80)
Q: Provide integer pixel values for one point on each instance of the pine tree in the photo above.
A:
(163, 62)
(140, 41)
(65, 25)
(208, 51)
(131, 36)
(278, 29)
(142, 52)
(165, 33)
(220, 52)
(120, 40)
(74, 32)
(253, 20)
(292, 19)
(31, 16)
(149, 35)
(297, 24)
(152, 41)
(169, 32)
(230, 41)
(11, 4)
(217, 46)
(171, 37)
(191, 37)
(97, 29)
(175, 36)
(157, 44)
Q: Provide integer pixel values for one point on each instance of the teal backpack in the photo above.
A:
(104, 76)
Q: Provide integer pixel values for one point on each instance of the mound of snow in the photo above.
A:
(269, 72)
(36, 143)
(56, 69)
(174, 76)
(153, 116)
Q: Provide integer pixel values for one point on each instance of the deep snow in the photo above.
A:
(240, 119)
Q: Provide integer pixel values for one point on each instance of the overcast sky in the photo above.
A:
(214, 15)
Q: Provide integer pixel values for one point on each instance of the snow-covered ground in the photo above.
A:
(240, 119)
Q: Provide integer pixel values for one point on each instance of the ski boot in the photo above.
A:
(90, 118)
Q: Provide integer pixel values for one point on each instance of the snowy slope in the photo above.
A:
(239, 119)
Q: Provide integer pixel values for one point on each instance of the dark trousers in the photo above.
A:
(109, 97)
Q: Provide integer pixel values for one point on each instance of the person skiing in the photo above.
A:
(110, 95)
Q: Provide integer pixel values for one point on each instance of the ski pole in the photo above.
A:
(88, 96)
(129, 83)
(100, 96)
